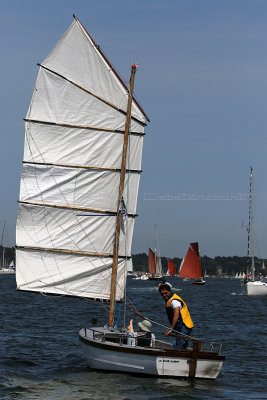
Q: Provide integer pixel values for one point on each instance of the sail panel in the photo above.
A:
(67, 274)
(57, 100)
(77, 58)
(152, 261)
(171, 267)
(77, 187)
(57, 228)
(65, 145)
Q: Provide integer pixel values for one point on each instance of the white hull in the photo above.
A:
(199, 282)
(6, 271)
(103, 354)
(256, 288)
(144, 277)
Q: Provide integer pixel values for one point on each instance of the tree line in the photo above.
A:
(211, 266)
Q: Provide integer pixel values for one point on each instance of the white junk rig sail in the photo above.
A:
(74, 135)
(82, 163)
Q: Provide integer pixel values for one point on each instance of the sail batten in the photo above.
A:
(82, 166)
(106, 212)
(82, 253)
(95, 128)
(70, 179)
(65, 251)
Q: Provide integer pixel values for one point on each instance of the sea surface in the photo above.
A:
(41, 357)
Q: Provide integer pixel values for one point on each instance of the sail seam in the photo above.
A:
(93, 128)
(92, 94)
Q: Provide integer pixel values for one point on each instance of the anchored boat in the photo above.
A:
(253, 287)
(82, 162)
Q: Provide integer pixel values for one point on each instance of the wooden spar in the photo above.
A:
(64, 251)
(92, 128)
(82, 209)
(80, 166)
(83, 253)
(117, 231)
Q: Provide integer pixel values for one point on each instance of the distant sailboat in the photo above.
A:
(253, 286)
(5, 266)
(154, 259)
(154, 264)
(191, 266)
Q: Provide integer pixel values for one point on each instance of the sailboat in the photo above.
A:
(154, 265)
(191, 266)
(253, 286)
(171, 267)
(6, 267)
(82, 162)
(154, 259)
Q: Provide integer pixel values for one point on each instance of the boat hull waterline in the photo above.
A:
(256, 288)
(106, 355)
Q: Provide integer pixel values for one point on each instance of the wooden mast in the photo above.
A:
(122, 176)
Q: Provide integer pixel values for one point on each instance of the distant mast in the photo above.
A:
(157, 252)
(251, 226)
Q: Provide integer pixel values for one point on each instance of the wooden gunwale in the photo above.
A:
(203, 354)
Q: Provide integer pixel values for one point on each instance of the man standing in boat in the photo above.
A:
(178, 315)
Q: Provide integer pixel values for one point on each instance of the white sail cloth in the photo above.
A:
(71, 174)
(76, 187)
(67, 274)
(53, 228)
(74, 146)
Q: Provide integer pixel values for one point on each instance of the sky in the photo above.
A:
(202, 80)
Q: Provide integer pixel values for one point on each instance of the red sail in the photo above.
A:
(171, 268)
(152, 261)
(191, 267)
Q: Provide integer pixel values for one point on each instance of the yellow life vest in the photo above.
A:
(184, 312)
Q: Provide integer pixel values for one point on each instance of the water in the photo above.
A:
(41, 357)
